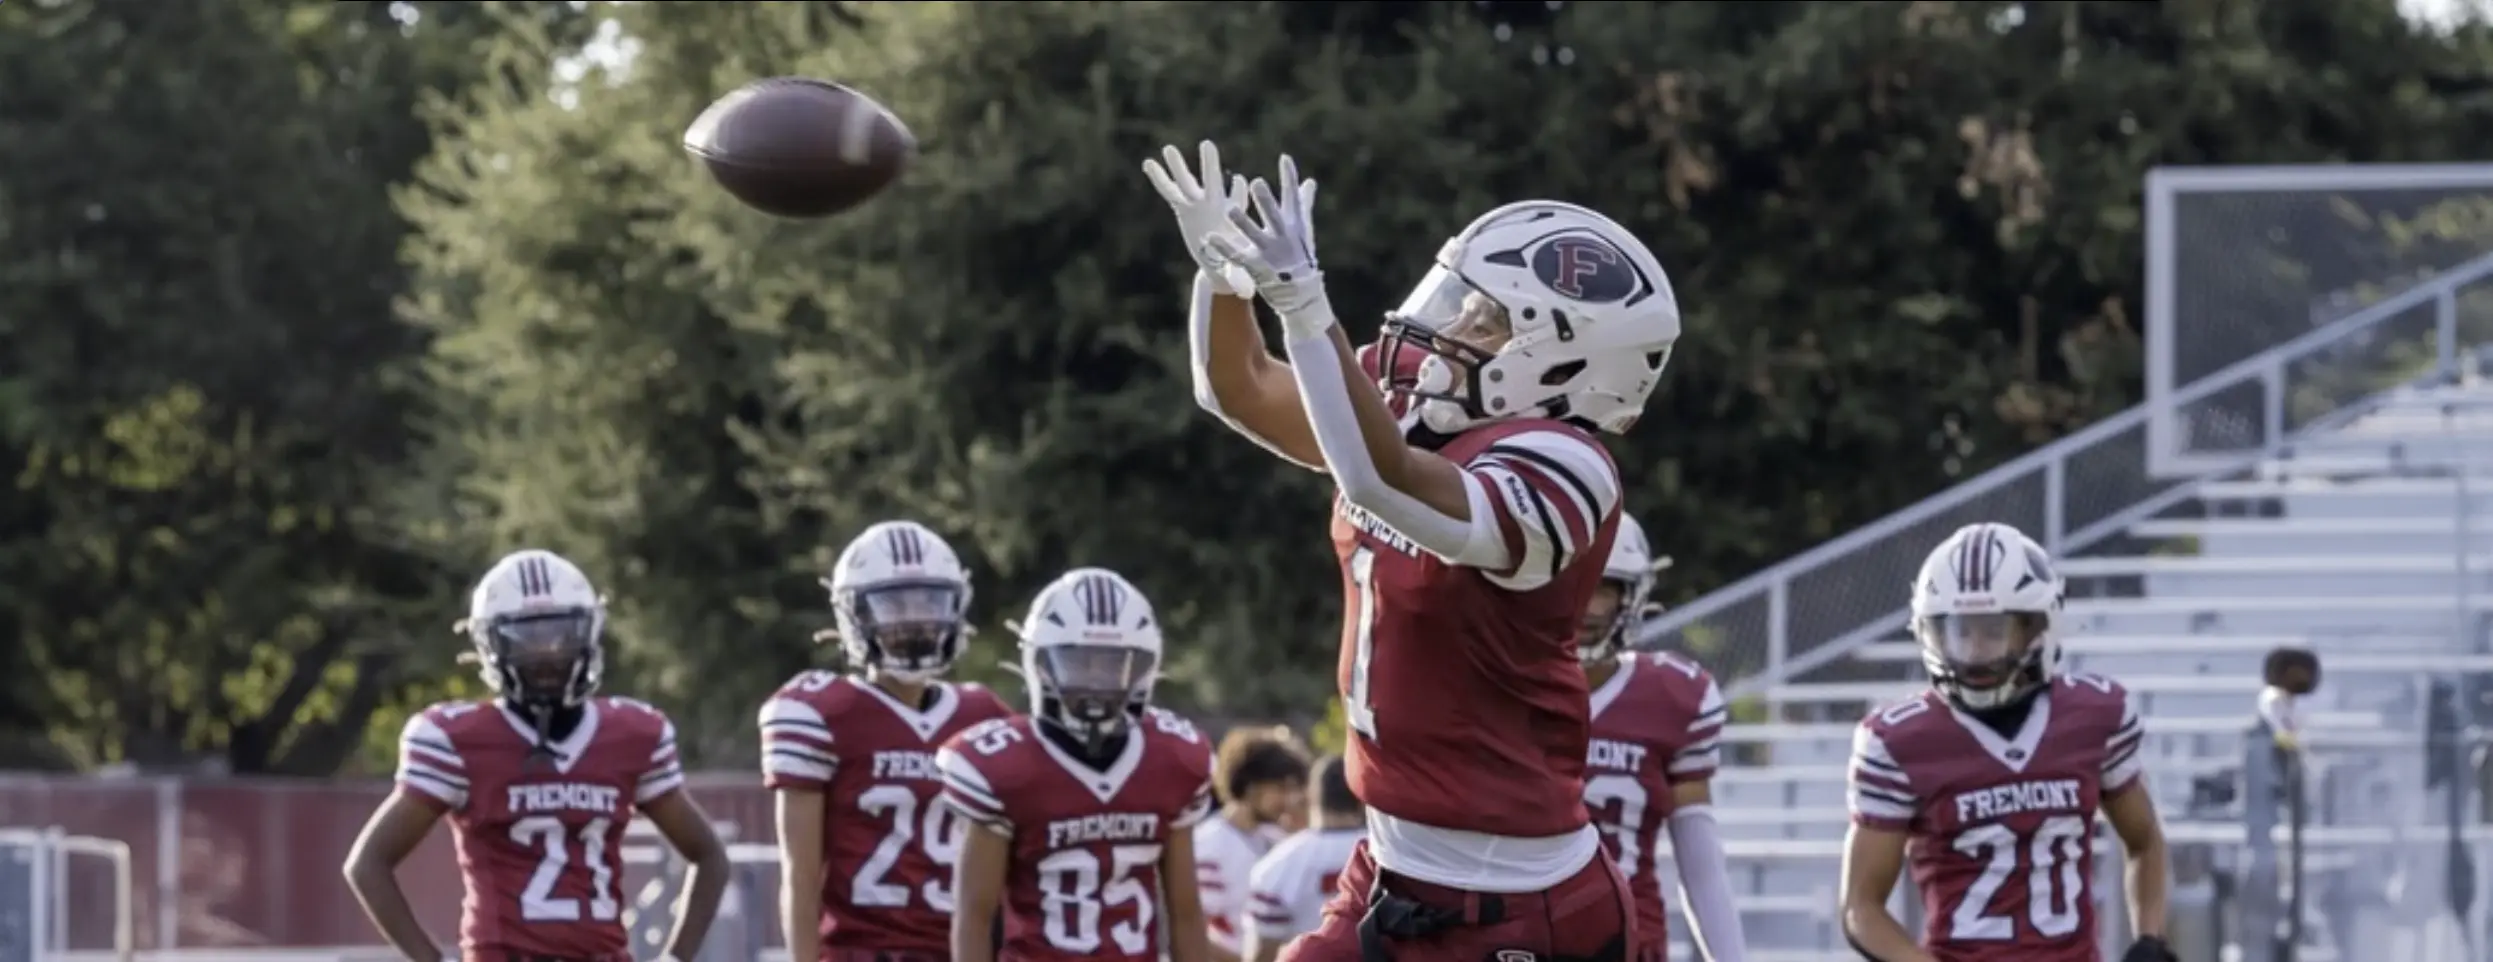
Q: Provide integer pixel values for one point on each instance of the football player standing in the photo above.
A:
(539, 782)
(1657, 739)
(1989, 783)
(1085, 809)
(1471, 524)
(865, 849)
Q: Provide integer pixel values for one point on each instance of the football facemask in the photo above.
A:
(908, 627)
(543, 660)
(1445, 331)
(1092, 689)
(1982, 659)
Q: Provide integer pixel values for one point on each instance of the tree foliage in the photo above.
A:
(1905, 234)
(202, 388)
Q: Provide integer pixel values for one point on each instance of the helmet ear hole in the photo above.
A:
(1561, 373)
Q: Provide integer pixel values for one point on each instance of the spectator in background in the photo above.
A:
(2289, 673)
(1261, 776)
(1287, 892)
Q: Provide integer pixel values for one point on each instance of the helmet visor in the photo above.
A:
(1093, 683)
(1456, 318)
(910, 623)
(1982, 649)
(543, 652)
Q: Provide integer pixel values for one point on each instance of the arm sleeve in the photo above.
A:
(1548, 493)
(2121, 765)
(429, 764)
(1317, 365)
(967, 791)
(1199, 355)
(1705, 884)
(796, 745)
(1704, 752)
(1877, 789)
(666, 767)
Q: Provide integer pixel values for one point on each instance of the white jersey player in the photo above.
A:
(1288, 889)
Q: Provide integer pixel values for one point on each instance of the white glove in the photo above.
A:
(1202, 203)
(1276, 245)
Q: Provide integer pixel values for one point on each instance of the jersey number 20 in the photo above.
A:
(2054, 863)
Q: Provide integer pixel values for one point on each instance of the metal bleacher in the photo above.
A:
(2352, 519)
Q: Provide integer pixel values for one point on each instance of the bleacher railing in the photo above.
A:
(2076, 492)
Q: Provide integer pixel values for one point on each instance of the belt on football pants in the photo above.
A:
(1393, 915)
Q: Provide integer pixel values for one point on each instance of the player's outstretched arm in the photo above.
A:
(389, 836)
(1238, 380)
(1190, 937)
(799, 814)
(1236, 377)
(687, 828)
(2132, 814)
(1873, 858)
(1430, 500)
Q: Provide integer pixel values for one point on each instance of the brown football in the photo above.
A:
(798, 147)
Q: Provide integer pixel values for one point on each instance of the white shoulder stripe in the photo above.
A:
(1586, 471)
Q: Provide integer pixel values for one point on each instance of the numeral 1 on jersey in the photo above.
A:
(537, 902)
(1355, 707)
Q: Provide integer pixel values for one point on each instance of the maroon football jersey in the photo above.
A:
(539, 837)
(1462, 684)
(2002, 826)
(1084, 878)
(888, 846)
(1656, 724)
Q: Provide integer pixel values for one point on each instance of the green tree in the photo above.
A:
(203, 390)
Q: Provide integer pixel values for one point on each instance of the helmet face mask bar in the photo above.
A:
(1454, 330)
(1984, 660)
(909, 628)
(542, 660)
(1092, 692)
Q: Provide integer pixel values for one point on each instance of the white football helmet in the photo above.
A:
(1090, 651)
(1631, 572)
(538, 625)
(1584, 311)
(1983, 606)
(901, 599)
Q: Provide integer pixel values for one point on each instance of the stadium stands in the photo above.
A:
(2370, 543)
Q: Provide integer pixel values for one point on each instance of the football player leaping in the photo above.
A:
(1991, 780)
(1086, 808)
(1471, 528)
(1657, 738)
(865, 850)
(539, 782)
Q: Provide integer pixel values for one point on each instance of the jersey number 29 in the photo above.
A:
(2054, 863)
(938, 831)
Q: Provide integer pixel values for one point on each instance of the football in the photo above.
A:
(799, 147)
